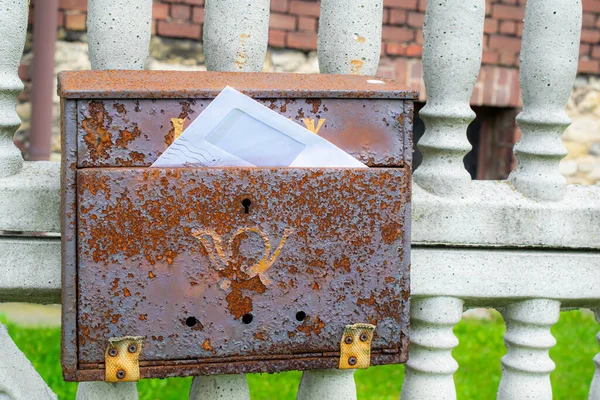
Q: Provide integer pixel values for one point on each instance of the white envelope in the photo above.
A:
(235, 130)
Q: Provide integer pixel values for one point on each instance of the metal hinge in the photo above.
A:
(355, 347)
(122, 359)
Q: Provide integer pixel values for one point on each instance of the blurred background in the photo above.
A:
(60, 29)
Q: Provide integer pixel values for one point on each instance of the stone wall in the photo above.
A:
(582, 138)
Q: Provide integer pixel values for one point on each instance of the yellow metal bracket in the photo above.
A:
(122, 359)
(355, 346)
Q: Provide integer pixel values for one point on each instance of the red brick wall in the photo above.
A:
(294, 25)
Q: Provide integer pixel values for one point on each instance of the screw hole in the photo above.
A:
(247, 318)
(300, 316)
(191, 321)
(246, 203)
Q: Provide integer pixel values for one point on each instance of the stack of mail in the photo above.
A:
(237, 131)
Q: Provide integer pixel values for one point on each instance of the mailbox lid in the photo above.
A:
(157, 246)
(194, 85)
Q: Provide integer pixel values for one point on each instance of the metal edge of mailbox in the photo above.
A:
(190, 368)
(182, 84)
(69, 360)
(408, 140)
(69, 342)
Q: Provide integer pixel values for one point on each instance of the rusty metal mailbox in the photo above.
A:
(191, 271)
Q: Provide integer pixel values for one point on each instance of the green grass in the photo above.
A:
(478, 354)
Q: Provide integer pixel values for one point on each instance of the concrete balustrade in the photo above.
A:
(476, 219)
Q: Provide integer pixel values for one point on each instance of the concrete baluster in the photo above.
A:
(327, 385)
(595, 387)
(105, 391)
(119, 33)
(350, 36)
(526, 367)
(452, 51)
(230, 387)
(18, 379)
(349, 43)
(119, 38)
(430, 367)
(549, 56)
(236, 33)
(13, 27)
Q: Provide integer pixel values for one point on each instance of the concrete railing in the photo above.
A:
(528, 246)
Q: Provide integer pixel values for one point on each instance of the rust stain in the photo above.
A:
(309, 328)
(343, 262)
(315, 103)
(356, 66)
(242, 54)
(137, 157)
(238, 304)
(359, 38)
(206, 346)
(120, 108)
(127, 137)
(391, 232)
(97, 127)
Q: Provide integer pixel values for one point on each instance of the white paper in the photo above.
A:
(235, 130)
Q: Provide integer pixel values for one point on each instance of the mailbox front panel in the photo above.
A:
(231, 270)
(173, 255)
